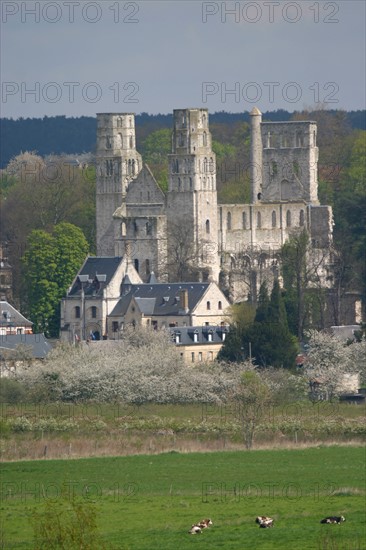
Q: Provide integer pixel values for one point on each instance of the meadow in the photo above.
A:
(147, 502)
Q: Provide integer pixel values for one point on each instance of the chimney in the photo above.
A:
(184, 299)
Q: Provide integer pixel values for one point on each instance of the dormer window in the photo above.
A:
(210, 336)
(178, 338)
(195, 336)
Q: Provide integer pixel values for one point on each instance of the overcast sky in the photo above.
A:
(78, 57)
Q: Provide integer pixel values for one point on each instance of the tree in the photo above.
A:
(251, 399)
(50, 263)
(182, 253)
(144, 366)
(302, 277)
(329, 360)
(53, 189)
(267, 339)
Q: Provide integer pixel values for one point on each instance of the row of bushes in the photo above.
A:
(171, 426)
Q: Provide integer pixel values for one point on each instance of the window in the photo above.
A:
(136, 263)
(244, 220)
(123, 229)
(77, 312)
(204, 139)
(259, 220)
(209, 336)
(207, 227)
(210, 356)
(228, 221)
(131, 142)
(302, 218)
(192, 356)
(288, 218)
(274, 168)
(200, 356)
(195, 336)
(208, 305)
(93, 312)
(115, 326)
(177, 338)
(274, 221)
(148, 228)
(135, 227)
(147, 267)
(219, 305)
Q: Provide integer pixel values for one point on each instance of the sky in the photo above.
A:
(83, 57)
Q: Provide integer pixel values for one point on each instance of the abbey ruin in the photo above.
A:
(235, 245)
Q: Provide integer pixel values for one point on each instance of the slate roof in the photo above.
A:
(94, 266)
(202, 332)
(166, 298)
(10, 317)
(40, 347)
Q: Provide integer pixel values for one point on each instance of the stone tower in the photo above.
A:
(192, 197)
(256, 164)
(290, 162)
(117, 163)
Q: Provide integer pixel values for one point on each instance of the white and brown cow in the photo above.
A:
(196, 528)
(205, 523)
(264, 521)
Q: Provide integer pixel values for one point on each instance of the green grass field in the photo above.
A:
(150, 502)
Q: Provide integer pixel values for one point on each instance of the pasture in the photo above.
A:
(147, 502)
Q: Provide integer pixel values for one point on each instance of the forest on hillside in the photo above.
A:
(61, 135)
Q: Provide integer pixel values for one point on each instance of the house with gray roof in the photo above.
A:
(93, 294)
(12, 321)
(167, 305)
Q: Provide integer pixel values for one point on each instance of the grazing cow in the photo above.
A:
(333, 519)
(195, 530)
(204, 523)
(264, 521)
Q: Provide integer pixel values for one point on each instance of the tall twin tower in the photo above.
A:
(237, 245)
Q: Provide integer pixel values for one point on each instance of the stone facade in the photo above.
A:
(236, 245)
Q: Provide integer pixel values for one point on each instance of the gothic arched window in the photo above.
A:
(259, 220)
(288, 218)
(302, 218)
(274, 221)
(228, 221)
